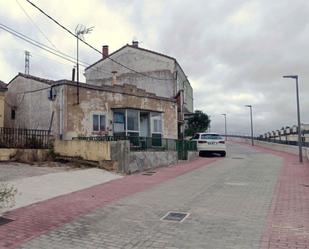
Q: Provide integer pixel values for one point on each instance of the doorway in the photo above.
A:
(144, 124)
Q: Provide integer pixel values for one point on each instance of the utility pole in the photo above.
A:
(27, 62)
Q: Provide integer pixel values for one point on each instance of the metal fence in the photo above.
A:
(147, 143)
(272, 140)
(24, 138)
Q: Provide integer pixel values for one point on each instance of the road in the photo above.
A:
(229, 204)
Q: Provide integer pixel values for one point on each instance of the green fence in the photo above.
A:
(183, 146)
(151, 144)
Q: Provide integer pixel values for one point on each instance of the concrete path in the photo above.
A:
(254, 198)
(43, 187)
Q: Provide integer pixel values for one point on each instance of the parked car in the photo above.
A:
(210, 143)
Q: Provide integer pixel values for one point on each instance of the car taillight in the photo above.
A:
(202, 142)
(222, 142)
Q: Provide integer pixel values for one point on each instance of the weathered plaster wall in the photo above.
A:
(163, 88)
(87, 150)
(138, 59)
(183, 84)
(2, 109)
(79, 117)
(32, 110)
(24, 155)
(150, 64)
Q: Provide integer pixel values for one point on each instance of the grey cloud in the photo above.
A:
(223, 59)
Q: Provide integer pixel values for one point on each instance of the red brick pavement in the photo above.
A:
(34, 220)
(288, 218)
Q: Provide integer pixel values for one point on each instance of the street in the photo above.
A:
(231, 202)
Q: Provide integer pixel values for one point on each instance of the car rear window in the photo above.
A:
(210, 136)
(196, 136)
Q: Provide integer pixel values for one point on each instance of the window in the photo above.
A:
(13, 113)
(210, 136)
(119, 121)
(98, 122)
(132, 119)
(156, 119)
(196, 136)
(119, 117)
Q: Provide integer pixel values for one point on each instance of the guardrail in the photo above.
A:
(271, 140)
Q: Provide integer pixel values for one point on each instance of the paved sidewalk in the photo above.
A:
(253, 199)
(228, 202)
(34, 220)
(288, 220)
(43, 187)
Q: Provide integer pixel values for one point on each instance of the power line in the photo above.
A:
(45, 47)
(38, 44)
(70, 32)
(37, 26)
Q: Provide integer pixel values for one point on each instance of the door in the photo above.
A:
(144, 124)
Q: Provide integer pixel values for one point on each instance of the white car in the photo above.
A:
(210, 143)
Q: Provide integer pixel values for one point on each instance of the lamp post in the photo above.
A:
(250, 106)
(80, 31)
(224, 114)
(298, 116)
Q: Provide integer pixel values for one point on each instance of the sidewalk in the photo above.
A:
(288, 219)
(34, 189)
(34, 220)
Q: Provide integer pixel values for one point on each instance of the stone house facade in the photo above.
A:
(99, 110)
(148, 70)
(3, 89)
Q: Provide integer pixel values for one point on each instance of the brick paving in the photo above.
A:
(228, 202)
(288, 220)
(255, 198)
(34, 220)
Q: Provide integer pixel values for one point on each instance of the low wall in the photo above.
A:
(120, 151)
(192, 155)
(87, 150)
(145, 160)
(24, 155)
(274, 146)
(117, 155)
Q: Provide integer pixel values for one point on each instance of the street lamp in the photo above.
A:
(250, 106)
(298, 117)
(224, 114)
(80, 31)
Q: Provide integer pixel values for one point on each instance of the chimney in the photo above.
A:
(105, 51)
(114, 78)
(135, 43)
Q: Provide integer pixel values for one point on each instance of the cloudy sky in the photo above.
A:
(234, 52)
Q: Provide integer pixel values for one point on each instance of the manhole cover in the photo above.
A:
(236, 183)
(4, 221)
(149, 173)
(175, 216)
(237, 158)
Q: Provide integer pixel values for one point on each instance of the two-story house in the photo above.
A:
(148, 70)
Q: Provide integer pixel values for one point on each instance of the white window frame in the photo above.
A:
(99, 114)
(138, 122)
(152, 118)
